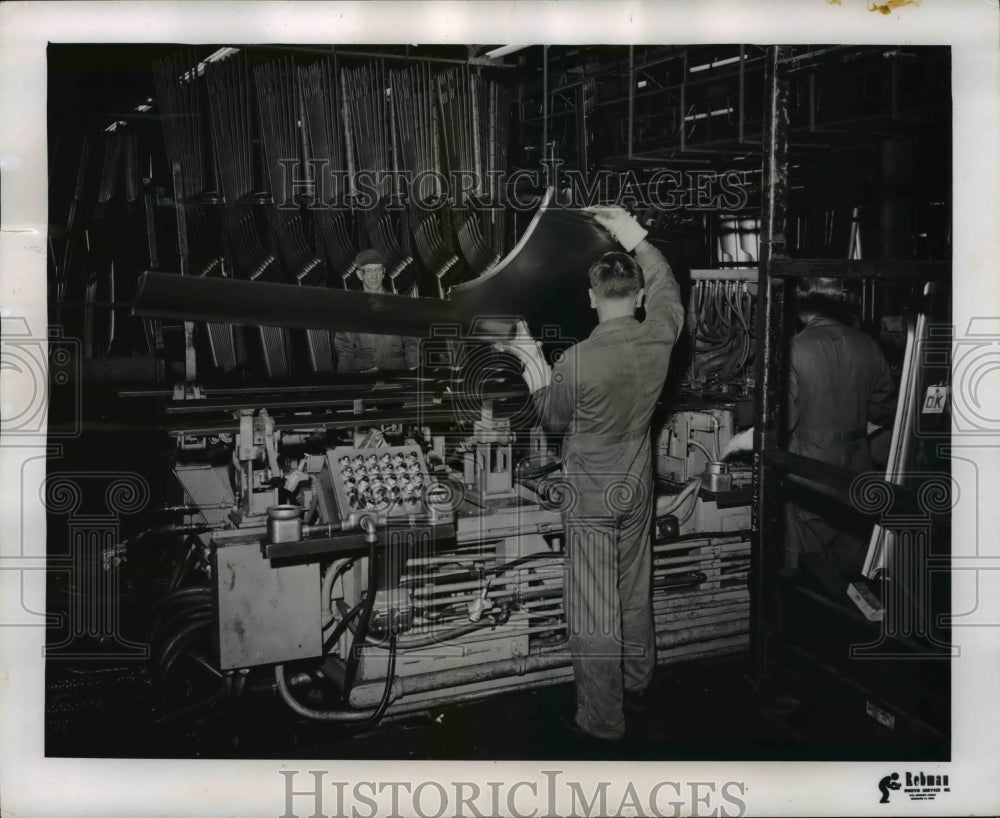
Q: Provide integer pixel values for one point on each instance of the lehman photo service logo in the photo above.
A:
(915, 786)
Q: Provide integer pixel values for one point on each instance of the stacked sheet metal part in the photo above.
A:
(543, 280)
(233, 105)
(417, 126)
(366, 90)
(326, 165)
(460, 113)
(278, 98)
(181, 92)
(492, 110)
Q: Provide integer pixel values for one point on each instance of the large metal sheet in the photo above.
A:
(227, 300)
(543, 280)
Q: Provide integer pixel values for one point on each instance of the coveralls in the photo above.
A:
(358, 351)
(838, 381)
(602, 395)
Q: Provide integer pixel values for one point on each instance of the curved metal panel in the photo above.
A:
(226, 300)
(543, 280)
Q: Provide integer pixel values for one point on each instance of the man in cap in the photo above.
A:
(840, 390)
(370, 352)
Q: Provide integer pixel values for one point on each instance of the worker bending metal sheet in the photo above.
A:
(601, 395)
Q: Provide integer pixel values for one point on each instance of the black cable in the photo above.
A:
(342, 625)
(172, 600)
(181, 567)
(359, 636)
(383, 705)
(196, 622)
(175, 615)
(341, 569)
(185, 635)
(496, 569)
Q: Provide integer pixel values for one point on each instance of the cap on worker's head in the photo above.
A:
(366, 257)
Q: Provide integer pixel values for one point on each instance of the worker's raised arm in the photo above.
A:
(664, 310)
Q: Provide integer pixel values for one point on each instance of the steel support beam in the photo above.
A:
(766, 547)
(871, 268)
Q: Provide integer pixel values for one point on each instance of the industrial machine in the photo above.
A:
(381, 545)
(362, 547)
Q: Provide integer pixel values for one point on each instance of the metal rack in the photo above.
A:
(771, 464)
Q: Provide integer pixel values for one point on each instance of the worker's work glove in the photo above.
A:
(743, 442)
(622, 227)
(537, 372)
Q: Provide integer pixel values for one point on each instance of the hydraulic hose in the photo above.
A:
(329, 580)
(170, 653)
(368, 526)
(496, 569)
(183, 566)
(421, 642)
(693, 442)
(679, 499)
(173, 616)
(176, 600)
(360, 719)
(343, 624)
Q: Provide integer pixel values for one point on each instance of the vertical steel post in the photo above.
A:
(183, 263)
(545, 103)
(683, 105)
(767, 546)
(631, 98)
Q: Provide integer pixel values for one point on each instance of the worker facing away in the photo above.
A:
(369, 352)
(840, 390)
(601, 395)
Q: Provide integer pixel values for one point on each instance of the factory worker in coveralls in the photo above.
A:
(370, 352)
(601, 396)
(840, 390)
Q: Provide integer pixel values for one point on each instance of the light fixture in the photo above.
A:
(504, 50)
(718, 112)
(715, 64)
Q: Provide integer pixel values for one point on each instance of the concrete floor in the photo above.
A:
(700, 710)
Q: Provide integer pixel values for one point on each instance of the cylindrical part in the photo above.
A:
(284, 523)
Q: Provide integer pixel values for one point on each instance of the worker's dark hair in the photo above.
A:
(616, 275)
(825, 296)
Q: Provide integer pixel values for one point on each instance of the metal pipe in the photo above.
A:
(424, 701)
(365, 695)
(745, 274)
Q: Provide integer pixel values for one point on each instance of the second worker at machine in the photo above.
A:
(367, 351)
